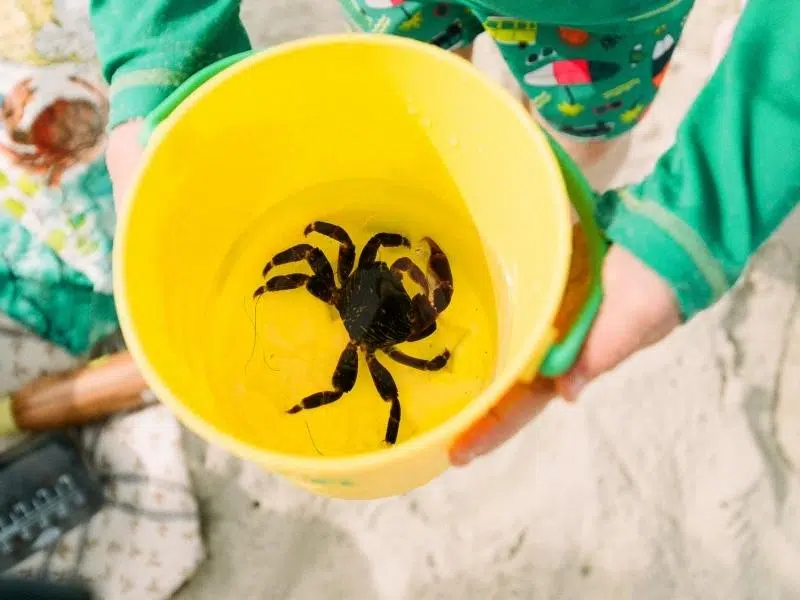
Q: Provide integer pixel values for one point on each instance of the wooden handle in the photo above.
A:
(75, 397)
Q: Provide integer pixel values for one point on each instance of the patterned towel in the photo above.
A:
(56, 206)
(146, 542)
(40, 291)
(56, 232)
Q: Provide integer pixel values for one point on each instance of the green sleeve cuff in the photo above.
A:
(667, 245)
(732, 175)
(135, 94)
(147, 50)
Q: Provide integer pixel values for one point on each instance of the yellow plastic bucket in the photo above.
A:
(375, 133)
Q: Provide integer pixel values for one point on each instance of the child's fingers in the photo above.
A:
(123, 156)
(517, 407)
(638, 310)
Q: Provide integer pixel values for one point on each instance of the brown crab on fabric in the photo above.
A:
(66, 132)
(377, 311)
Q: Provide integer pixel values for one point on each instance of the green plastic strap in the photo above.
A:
(186, 89)
(562, 355)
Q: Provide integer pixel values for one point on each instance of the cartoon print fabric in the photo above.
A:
(56, 206)
(587, 84)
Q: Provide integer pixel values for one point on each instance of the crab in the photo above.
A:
(376, 310)
(65, 132)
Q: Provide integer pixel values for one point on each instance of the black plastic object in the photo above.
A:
(46, 489)
(18, 589)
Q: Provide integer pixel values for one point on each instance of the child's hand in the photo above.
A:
(638, 309)
(123, 156)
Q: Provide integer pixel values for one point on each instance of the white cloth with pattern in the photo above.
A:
(146, 542)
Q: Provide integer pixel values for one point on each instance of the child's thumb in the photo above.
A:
(123, 157)
(638, 309)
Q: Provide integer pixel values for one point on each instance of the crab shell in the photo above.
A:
(63, 127)
(66, 127)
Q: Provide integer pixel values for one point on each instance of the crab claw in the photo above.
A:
(439, 267)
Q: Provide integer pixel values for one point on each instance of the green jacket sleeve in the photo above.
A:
(148, 48)
(733, 173)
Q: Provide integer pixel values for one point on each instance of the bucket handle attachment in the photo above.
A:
(563, 354)
(183, 91)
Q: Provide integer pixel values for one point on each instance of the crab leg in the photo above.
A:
(387, 389)
(388, 240)
(320, 285)
(435, 364)
(28, 160)
(347, 250)
(102, 99)
(58, 169)
(344, 379)
(316, 260)
(283, 282)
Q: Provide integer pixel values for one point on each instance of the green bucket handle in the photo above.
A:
(563, 354)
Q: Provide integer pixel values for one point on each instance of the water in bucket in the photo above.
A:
(266, 355)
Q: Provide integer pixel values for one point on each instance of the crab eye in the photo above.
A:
(547, 52)
(532, 58)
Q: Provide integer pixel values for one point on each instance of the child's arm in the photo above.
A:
(148, 48)
(733, 174)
